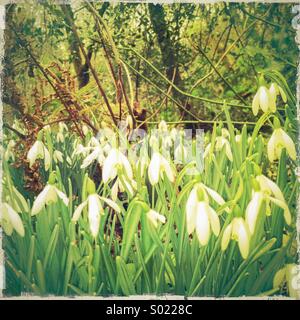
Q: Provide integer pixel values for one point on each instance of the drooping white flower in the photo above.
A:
(276, 90)
(9, 151)
(79, 149)
(200, 216)
(95, 210)
(219, 144)
(237, 230)
(277, 142)
(10, 220)
(159, 165)
(267, 193)
(114, 161)
(94, 142)
(289, 275)
(270, 187)
(166, 142)
(96, 155)
(253, 209)
(39, 151)
(122, 186)
(263, 99)
(154, 217)
(60, 137)
(62, 127)
(58, 156)
(49, 195)
(162, 126)
(238, 138)
(225, 133)
(154, 142)
(142, 163)
(174, 133)
(69, 161)
(180, 154)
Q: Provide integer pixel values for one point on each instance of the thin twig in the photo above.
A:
(25, 46)
(101, 90)
(220, 75)
(18, 133)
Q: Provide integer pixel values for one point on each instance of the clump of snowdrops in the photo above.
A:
(107, 223)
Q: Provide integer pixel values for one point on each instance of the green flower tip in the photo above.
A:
(276, 123)
(90, 186)
(52, 178)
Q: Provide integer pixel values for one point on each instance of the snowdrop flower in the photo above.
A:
(237, 230)
(167, 142)
(69, 161)
(154, 142)
(57, 156)
(264, 100)
(175, 132)
(276, 90)
(114, 161)
(225, 133)
(266, 191)
(97, 154)
(39, 151)
(200, 216)
(62, 127)
(122, 186)
(277, 142)
(158, 165)
(48, 196)
(9, 151)
(81, 150)
(162, 126)
(219, 144)
(180, 154)
(10, 220)
(94, 142)
(238, 138)
(95, 208)
(154, 217)
(142, 163)
(269, 187)
(290, 275)
(60, 137)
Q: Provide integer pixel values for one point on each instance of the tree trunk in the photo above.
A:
(81, 66)
(157, 17)
(11, 93)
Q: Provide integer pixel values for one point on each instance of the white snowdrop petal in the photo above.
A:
(40, 201)
(202, 223)
(62, 196)
(78, 211)
(154, 169)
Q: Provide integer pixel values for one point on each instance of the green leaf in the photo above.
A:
(124, 277)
